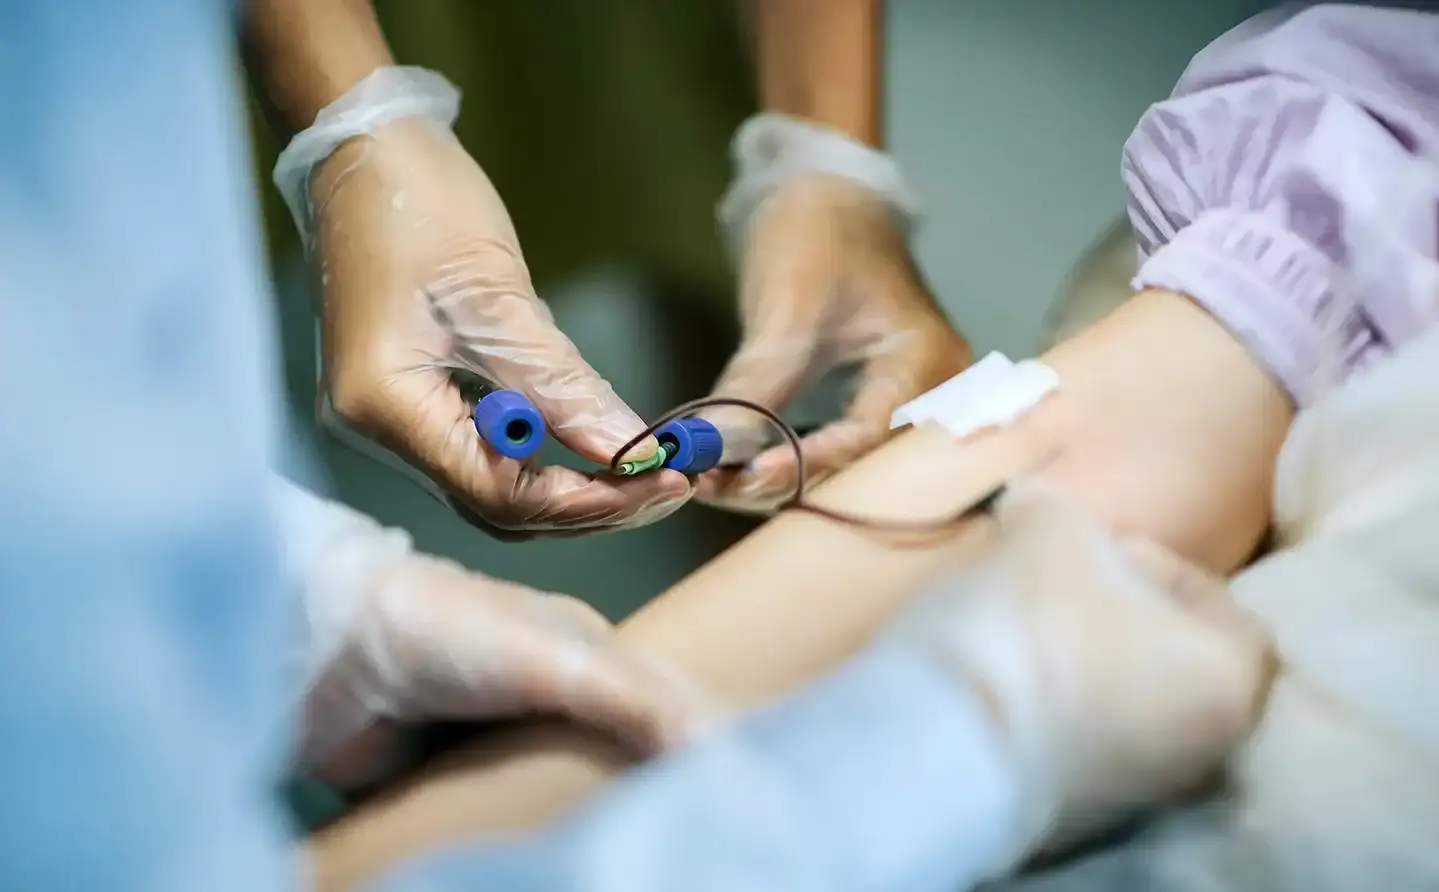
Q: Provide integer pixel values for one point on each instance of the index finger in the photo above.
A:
(521, 501)
(510, 337)
(1188, 582)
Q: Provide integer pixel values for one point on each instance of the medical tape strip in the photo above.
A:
(993, 392)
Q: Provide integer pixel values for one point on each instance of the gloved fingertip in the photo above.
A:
(711, 484)
(742, 443)
(694, 726)
(691, 712)
(642, 451)
(770, 464)
(753, 487)
(1148, 557)
(598, 434)
(652, 513)
(1027, 500)
(666, 730)
(1024, 491)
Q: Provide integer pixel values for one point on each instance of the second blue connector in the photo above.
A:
(688, 445)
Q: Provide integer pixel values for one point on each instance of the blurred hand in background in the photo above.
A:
(820, 223)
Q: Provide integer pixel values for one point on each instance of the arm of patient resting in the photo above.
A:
(1163, 425)
(774, 803)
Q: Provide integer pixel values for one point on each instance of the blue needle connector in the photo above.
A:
(510, 423)
(690, 445)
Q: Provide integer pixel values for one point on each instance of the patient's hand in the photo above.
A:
(1121, 675)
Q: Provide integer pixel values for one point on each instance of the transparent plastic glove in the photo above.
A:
(422, 274)
(1122, 675)
(820, 225)
(397, 636)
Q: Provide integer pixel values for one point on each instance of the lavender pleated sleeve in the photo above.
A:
(1289, 187)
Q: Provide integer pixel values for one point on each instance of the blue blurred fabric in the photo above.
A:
(141, 620)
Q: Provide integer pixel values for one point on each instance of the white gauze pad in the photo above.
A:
(991, 393)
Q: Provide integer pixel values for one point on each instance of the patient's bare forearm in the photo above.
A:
(1162, 424)
(306, 53)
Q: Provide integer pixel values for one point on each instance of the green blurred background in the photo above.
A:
(605, 124)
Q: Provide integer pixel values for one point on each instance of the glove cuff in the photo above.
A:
(333, 556)
(384, 95)
(771, 150)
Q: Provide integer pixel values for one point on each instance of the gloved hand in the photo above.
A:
(1120, 676)
(396, 636)
(422, 274)
(820, 225)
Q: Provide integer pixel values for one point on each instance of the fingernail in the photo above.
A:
(752, 486)
(654, 511)
(765, 465)
(641, 451)
(608, 431)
